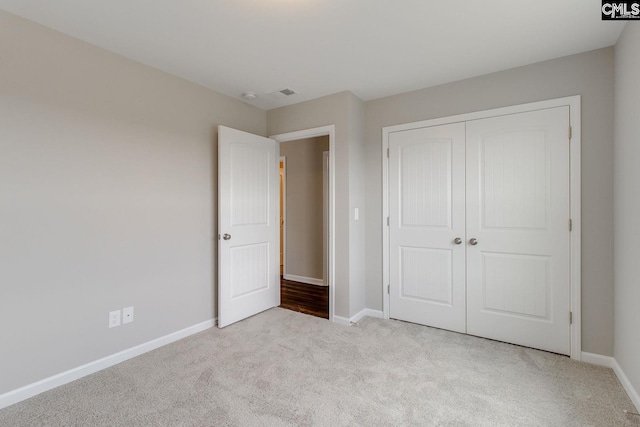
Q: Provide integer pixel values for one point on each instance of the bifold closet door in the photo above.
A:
(517, 207)
(427, 226)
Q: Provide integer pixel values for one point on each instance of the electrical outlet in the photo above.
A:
(114, 318)
(127, 315)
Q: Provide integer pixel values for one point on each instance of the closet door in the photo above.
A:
(426, 202)
(517, 244)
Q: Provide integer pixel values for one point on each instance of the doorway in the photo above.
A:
(303, 222)
(307, 223)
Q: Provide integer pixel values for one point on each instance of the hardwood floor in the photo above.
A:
(305, 298)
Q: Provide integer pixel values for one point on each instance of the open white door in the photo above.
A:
(248, 225)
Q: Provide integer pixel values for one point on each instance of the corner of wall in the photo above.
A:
(626, 208)
(357, 206)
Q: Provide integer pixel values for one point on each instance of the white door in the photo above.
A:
(248, 225)
(427, 215)
(517, 209)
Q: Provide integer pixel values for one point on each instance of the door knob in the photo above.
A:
(457, 240)
(226, 236)
(473, 241)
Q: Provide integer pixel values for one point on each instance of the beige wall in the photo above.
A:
(588, 74)
(627, 204)
(357, 200)
(344, 111)
(304, 206)
(107, 177)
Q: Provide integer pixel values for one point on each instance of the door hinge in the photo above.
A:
(570, 224)
(571, 317)
(389, 289)
(570, 132)
(387, 221)
(387, 152)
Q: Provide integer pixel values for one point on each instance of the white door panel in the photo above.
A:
(248, 214)
(517, 208)
(426, 182)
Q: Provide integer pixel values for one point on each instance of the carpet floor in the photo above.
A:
(282, 368)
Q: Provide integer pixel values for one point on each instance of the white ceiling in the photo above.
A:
(373, 48)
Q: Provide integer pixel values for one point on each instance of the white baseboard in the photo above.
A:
(612, 363)
(597, 359)
(631, 391)
(302, 279)
(367, 312)
(341, 320)
(377, 314)
(30, 390)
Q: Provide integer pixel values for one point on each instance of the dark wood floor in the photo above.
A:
(305, 298)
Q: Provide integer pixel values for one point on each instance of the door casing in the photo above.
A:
(283, 214)
(573, 102)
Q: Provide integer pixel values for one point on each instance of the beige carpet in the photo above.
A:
(282, 368)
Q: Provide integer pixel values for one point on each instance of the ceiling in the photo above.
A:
(374, 48)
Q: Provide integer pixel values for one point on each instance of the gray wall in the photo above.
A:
(107, 177)
(588, 74)
(304, 206)
(627, 204)
(357, 199)
(345, 111)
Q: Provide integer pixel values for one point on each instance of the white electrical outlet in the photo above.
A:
(114, 318)
(127, 315)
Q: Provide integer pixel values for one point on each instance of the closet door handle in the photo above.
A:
(473, 241)
(457, 240)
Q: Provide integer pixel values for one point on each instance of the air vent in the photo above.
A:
(281, 94)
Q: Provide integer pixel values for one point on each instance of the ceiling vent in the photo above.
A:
(283, 93)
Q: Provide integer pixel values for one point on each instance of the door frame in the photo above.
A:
(573, 102)
(325, 217)
(283, 214)
(330, 131)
